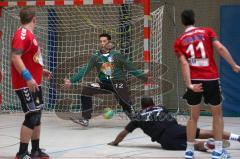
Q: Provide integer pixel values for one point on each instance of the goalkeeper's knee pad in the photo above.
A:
(32, 119)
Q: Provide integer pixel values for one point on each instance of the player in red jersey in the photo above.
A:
(27, 71)
(195, 51)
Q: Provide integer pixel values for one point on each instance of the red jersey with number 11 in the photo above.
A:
(196, 44)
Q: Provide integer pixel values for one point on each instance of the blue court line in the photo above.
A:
(115, 155)
(90, 146)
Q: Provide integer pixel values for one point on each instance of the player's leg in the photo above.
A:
(25, 136)
(121, 91)
(123, 95)
(191, 130)
(86, 99)
(193, 100)
(209, 144)
(218, 132)
(212, 96)
(205, 134)
(35, 138)
(192, 123)
(181, 134)
(36, 152)
(38, 101)
(26, 132)
(208, 134)
(179, 138)
(174, 138)
(217, 122)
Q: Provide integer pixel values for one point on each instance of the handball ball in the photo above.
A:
(107, 113)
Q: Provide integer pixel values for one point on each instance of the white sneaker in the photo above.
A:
(189, 155)
(223, 155)
(83, 122)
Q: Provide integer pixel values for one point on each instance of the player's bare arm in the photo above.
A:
(186, 75)
(119, 138)
(47, 74)
(19, 65)
(223, 51)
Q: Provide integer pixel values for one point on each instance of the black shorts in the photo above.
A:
(211, 93)
(30, 101)
(175, 138)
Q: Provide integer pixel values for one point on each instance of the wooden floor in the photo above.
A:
(63, 139)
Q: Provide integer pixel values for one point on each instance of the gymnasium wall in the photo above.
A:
(230, 37)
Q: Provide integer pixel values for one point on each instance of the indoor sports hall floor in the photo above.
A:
(66, 140)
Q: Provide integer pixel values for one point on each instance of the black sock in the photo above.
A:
(23, 148)
(35, 145)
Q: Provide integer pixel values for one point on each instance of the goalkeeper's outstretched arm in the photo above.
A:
(132, 69)
(83, 71)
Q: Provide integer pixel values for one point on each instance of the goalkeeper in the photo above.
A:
(111, 68)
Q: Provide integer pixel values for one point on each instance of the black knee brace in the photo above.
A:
(32, 119)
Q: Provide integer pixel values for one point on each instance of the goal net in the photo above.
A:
(68, 36)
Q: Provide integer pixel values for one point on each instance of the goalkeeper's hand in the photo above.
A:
(67, 83)
(106, 48)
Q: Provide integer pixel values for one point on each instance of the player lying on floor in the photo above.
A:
(162, 127)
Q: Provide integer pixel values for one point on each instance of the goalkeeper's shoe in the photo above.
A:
(23, 156)
(39, 154)
(83, 122)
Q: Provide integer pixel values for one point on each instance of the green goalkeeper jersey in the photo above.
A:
(111, 66)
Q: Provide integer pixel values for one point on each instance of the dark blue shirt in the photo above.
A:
(153, 121)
